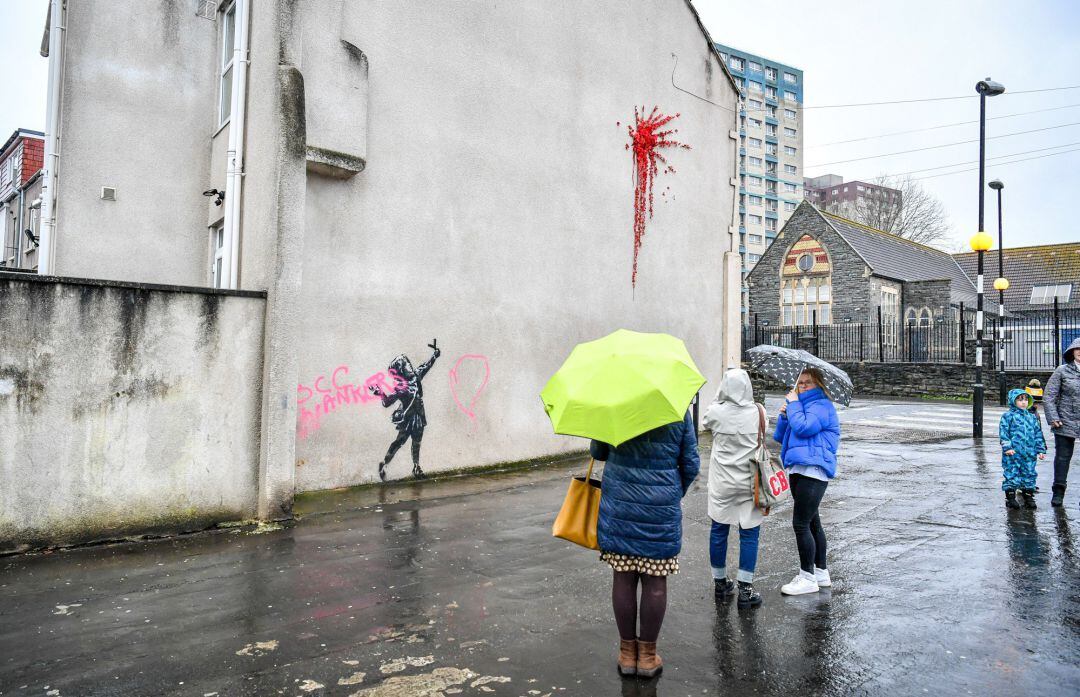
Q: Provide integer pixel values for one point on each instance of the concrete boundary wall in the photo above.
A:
(125, 408)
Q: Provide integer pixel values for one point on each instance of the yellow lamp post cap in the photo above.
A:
(980, 241)
(1001, 284)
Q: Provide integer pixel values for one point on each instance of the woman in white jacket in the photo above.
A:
(733, 419)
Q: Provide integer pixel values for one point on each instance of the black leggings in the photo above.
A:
(809, 535)
(625, 601)
(1063, 452)
(400, 441)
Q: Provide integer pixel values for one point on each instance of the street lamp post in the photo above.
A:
(1001, 284)
(980, 243)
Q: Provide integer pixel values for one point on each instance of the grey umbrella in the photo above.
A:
(785, 365)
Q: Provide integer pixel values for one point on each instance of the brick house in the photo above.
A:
(21, 159)
(827, 269)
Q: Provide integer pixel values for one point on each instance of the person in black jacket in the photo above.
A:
(640, 532)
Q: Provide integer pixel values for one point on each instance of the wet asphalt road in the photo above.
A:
(456, 587)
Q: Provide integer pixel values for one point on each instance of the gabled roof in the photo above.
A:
(1025, 267)
(898, 259)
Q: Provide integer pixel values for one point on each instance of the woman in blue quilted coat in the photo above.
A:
(1022, 446)
(809, 433)
(640, 532)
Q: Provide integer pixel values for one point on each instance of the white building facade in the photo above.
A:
(452, 180)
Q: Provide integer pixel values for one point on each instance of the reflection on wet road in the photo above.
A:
(456, 587)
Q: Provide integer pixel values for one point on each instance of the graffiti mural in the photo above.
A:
(461, 393)
(327, 395)
(409, 417)
(647, 139)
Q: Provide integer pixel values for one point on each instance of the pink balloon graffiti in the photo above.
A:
(470, 410)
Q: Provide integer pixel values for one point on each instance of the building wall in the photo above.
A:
(139, 109)
(931, 295)
(124, 409)
(495, 215)
(853, 289)
(758, 225)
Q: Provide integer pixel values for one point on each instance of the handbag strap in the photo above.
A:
(761, 424)
(588, 475)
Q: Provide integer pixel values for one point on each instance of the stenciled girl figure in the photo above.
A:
(409, 417)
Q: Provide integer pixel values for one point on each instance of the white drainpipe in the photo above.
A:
(234, 176)
(47, 241)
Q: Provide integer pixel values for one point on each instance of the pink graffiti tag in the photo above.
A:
(470, 410)
(339, 394)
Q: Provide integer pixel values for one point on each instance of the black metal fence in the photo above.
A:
(1033, 340)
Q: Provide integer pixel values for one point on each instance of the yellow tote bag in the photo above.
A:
(580, 510)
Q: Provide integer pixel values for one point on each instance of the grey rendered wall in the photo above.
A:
(139, 109)
(124, 409)
(495, 214)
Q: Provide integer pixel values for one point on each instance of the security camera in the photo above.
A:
(219, 196)
(989, 88)
(32, 237)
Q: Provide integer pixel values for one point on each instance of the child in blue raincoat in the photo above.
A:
(1022, 446)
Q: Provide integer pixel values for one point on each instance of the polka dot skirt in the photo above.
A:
(641, 565)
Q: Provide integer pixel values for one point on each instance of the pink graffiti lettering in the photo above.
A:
(470, 410)
(341, 393)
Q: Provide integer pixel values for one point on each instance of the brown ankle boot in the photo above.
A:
(649, 662)
(628, 653)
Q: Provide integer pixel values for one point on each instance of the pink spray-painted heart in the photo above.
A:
(470, 410)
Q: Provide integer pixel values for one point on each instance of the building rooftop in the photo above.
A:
(901, 260)
(1026, 267)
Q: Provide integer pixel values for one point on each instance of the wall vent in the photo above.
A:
(108, 193)
(207, 9)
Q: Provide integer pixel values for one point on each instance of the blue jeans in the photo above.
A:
(748, 546)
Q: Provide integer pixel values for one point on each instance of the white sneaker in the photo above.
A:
(800, 585)
(822, 577)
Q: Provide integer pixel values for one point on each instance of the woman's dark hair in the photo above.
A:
(818, 377)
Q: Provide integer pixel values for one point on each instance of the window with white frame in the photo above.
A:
(755, 123)
(754, 258)
(1044, 295)
(755, 161)
(770, 167)
(772, 205)
(770, 148)
(770, 187)
(806, 300)
(788, 206)
(755, 142)
(788, 150)
(736, 63)
(790, 188)
(227, 15)
(755, 182)
(756, 200)
(217, 255)
(770, 224)
(755, 67)
(771, 109)
(755, 87)
(770, 73)
(790, 78)
(754, 104)
(756, 239)
(790, 132)
(791, 169)
(755, 219)
(890, 314)
(770, 92)
(790, 114)
(770, 129)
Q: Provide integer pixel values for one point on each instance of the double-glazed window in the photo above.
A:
(790, 169)
(217, 259)
(790, 78)
(735, 63)
(228, 34)
(770, 73)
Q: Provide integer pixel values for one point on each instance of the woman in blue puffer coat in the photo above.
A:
(809, 433)
(640, 531)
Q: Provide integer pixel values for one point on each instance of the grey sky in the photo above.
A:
(851, 51)
(855, 52)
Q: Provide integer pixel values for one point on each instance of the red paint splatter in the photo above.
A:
(646, 141)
